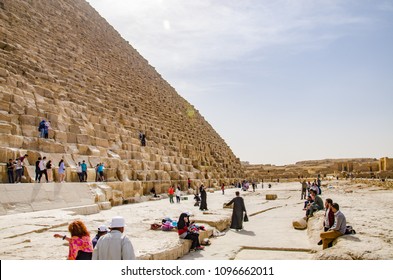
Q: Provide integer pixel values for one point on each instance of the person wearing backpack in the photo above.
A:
(41, 128)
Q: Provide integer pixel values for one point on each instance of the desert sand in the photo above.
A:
(268, 235)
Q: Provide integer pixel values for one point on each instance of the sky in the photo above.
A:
(281, 81)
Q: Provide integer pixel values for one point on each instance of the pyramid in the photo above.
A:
(61, 61)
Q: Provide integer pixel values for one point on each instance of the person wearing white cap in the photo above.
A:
(114, 245)
(102, 230)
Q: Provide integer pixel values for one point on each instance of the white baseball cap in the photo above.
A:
(103, 228)
(117, 222)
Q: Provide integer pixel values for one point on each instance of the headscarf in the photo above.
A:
(181, 223)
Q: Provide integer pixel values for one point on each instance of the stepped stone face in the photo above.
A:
(61, 61)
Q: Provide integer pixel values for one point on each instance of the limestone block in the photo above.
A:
(105, 205)
(60, 136)
(5, 128)
(300, 223)
(4, 73)
(271, 196)
(84, 139)
(93, 151)
(11, 140)
(71, 138)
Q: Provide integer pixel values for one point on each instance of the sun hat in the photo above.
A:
(117, 222)
(103, 228)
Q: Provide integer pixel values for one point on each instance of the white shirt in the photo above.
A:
(114, 246)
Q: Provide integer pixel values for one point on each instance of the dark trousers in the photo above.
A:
(84, 175)
(37, 174)
(11, 176)
(178, 199)
(80, 175)
(194, 237)
(46, 175)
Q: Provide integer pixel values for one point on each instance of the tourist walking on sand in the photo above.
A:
(223, 188)
(171, 192)
(114, 245)
(79, 244)
(338, 228)
(237, 213)
(202, 191)
(10, 171)
(61, 171)
(185, 232)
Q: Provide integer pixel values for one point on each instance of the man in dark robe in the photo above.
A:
(237, 214)
(202, 192)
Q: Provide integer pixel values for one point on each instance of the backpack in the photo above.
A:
(350, 230)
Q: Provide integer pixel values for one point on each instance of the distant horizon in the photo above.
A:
(245, 161)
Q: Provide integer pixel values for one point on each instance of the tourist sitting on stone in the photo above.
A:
(80, 245)
(308, 202)
(197, 200)
(183, 229)
(328, 217)
(316, 205)
(102, 230)
(338, 228)
(153, 192)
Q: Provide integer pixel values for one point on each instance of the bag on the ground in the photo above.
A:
(350, 230)
(245, 219)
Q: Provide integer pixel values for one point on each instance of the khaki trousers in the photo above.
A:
(328, 237)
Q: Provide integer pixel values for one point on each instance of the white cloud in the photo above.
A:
(175, 35)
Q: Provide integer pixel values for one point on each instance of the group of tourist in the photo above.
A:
(108, 244)
(15, 169)
(43, 128)
(334, 223)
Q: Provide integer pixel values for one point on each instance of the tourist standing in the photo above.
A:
(41, 128)
(46, 129)
(49, 170)
(84, 171)
(79, 172)
(171, 192)
(37, 169)
(18, 171)
(80, 246)
(203, 194)
(178, 194)
(102, 230)
(304, 190)
(223, 188)
(114, 245)
(42, 166)
(237, 213)
(10, 171)
(61, 171)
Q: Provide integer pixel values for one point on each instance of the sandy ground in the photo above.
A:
(268, 235)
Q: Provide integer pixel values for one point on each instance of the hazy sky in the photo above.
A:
(280, 81)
